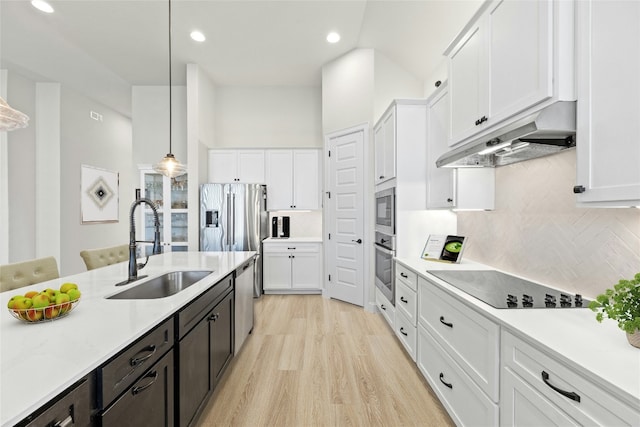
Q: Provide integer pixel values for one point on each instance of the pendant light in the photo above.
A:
(11, 119)
(169, 166)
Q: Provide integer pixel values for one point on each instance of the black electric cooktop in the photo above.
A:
(501, 290)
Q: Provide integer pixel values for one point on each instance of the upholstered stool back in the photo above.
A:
(20, 274)
(96, 258)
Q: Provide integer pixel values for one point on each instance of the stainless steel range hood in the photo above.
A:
(545, 132)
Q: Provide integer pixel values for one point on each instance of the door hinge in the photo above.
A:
(329, 236)
(329, 153)
(328, 194)
(329, 277)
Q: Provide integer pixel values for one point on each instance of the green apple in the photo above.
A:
(13, 300)
(23, 303)
(74, 294)
(62, 300)
(41, 300)
(65, 287)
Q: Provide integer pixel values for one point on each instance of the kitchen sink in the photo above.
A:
(163, 286)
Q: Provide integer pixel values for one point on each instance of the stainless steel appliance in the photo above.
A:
(548, 131)
(501, 290)
(244, 316)
(386, 211)
(385, 248)
(233, 217)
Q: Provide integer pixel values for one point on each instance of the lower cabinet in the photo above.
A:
(292, 267)
(386, 308)
(203, 355)
(70, 408)
(147, 402)
(406, 308)
(464, 400)
(536, 389)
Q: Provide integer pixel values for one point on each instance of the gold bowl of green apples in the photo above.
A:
(46, 305)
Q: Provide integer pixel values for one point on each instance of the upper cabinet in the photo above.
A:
(384, 140)
(245, 166)
(293, 179)
(608, 125)
(512, 57)
(467, 188)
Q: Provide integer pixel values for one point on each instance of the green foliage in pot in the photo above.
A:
(622, 303)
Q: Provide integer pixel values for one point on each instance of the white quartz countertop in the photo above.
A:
(293, 240)
(598, 351)
(38, 361)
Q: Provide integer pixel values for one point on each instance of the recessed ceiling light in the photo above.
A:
(333, 37)
(42, 6)
(198, 36)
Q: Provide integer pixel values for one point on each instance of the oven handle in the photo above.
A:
(384, 249)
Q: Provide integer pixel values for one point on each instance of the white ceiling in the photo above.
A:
(249, 43)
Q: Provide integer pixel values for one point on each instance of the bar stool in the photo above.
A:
(96, 258)
(20, 274)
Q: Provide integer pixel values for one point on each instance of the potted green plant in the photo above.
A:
(622, 303)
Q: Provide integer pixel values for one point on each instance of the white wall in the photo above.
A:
(392, 82)
(348, 91)
(103, 144)
(150, 118)
(21, 179)
(268, 117)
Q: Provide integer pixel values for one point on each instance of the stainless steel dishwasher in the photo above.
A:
(245, 278)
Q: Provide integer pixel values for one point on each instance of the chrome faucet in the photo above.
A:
(133, 262)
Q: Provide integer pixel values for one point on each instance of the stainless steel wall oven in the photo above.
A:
(385, 251)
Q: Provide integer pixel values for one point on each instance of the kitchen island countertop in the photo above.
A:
(38, 361)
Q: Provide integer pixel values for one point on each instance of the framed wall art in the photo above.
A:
(99, 196)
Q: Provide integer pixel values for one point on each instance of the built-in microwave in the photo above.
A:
(386, 211)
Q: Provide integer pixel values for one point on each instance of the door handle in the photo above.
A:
(359, 241)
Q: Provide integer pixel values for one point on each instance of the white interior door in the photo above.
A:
(345, 248)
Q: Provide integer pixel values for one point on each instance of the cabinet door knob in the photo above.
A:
(381, 177)
(579, 189)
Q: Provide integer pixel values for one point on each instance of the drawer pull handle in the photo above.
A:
(404, 275)
(443, 382)
(64, 423)
(383, 307)
(445, 323)
(403, 332)
(137, 390)
(570, 394)
(140, 360)
(403, 300)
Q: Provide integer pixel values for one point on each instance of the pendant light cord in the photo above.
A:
(170, 103)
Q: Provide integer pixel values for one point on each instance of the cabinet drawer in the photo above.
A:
(406, 301)
(406, 333)
(75, 400)
(471, 339)
(147, 402)
(385, 307)
(464, 400)
(595, 406)
(290, 247)
(189, 316)
(117, 375)
(407, 276)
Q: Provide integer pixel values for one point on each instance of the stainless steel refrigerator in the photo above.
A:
(234, 217)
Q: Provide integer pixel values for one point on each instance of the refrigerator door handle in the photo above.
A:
(233, 237)
(229, 221)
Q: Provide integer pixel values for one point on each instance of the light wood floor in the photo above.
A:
(312, 361)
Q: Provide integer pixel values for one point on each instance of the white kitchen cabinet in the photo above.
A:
(448, 188)
(469, 338)
(245, 166)
(292, 267)
(513, 56)
(170, 197)
(293, 179)
(459, 394)
(537, 389)
(386, 308)
(607, 149)
(384, 141)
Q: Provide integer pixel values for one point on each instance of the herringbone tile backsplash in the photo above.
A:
(536, 230)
